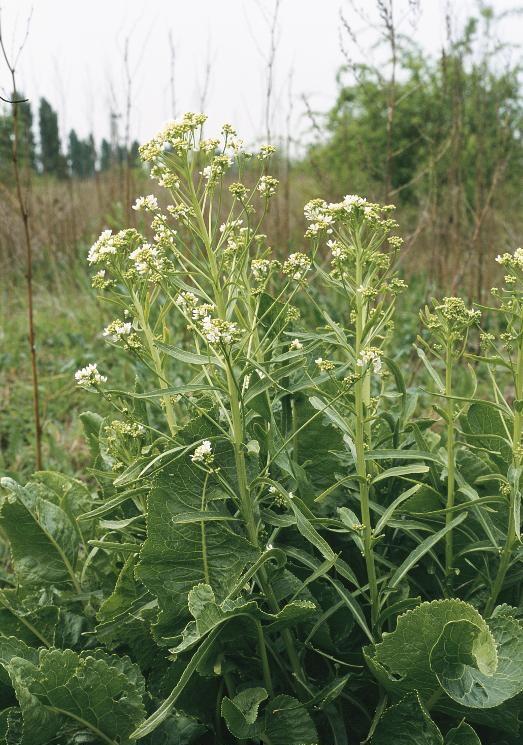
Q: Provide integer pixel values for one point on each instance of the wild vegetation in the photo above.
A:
(279, 546)
(277, 427)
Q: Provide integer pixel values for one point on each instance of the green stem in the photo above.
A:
(157, 362)
(451, 466)
(362, 396)
(512, 528)
(238, 441)
(265, 660)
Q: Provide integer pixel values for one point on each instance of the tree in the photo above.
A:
(26, 143)
(106, 155)
(82, 155)
(51, 158)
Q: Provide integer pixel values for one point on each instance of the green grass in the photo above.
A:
(69, 322)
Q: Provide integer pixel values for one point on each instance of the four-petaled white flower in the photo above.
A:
(203, 453)
(89, 376)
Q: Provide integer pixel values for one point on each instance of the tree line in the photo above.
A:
(76, 157)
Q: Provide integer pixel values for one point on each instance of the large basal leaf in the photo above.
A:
(190, 540)
(285, 721)
(446, 647)
(32, 723)
(408, 723)
(468, 670)
(95, 693)
(27, 620)
(401, 661)
(43, 540)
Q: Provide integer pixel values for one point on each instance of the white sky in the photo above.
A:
(74, 56)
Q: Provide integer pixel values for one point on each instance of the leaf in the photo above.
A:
(92, 691)
(446, 647)
(408, 723)
(241, 712)
(288, 723)
(208, 615)
(190, 358)
(421, 550)
(150, 724)
(33, 723)
(480, 670)
(486, 427)
(176, 556)
(43, 540)
(463, 734)
(403, 657)
(400, 471)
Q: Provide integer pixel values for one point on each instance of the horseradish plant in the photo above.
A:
(282, 549)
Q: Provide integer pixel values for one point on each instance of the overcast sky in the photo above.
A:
(75, 51)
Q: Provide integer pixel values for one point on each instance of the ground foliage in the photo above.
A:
(280, 548)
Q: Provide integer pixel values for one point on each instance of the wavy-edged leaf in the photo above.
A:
(407, 722)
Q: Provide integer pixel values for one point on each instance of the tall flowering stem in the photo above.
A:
(448, 322)
(362, 273)
(510, 355)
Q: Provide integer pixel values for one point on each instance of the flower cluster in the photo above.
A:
(449, 322)
(176, 136)
(122, 331)
(149, 261)
(322, 216)
(89, 376)
(267, 186)
(118, 329)
(266, 151)
(181, 212)
(203, 453)
(513, 263)
(324, 365)
(164, 235)
(452, 316)
(297, 265)
(100, 280)
(147, 204)
(371, 356)
(217, 331)
(296, 345)
(128, 429)
(217, 168)
(165, 177)
(261, 268)
(110, 245)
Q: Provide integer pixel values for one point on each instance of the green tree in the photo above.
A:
(27, 155)
(82, 155)
(51, 158)
(106, 155)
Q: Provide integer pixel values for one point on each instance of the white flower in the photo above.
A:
(103, 246)
(148, 260)
(89, 376)
(372, 357)
(261, 269)
(267, 186)
(297, 265)
(118, 329)
(324, 365)
(186, 299)
(296, 344)
(272, 490)
(148, 203)
(203, 453)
